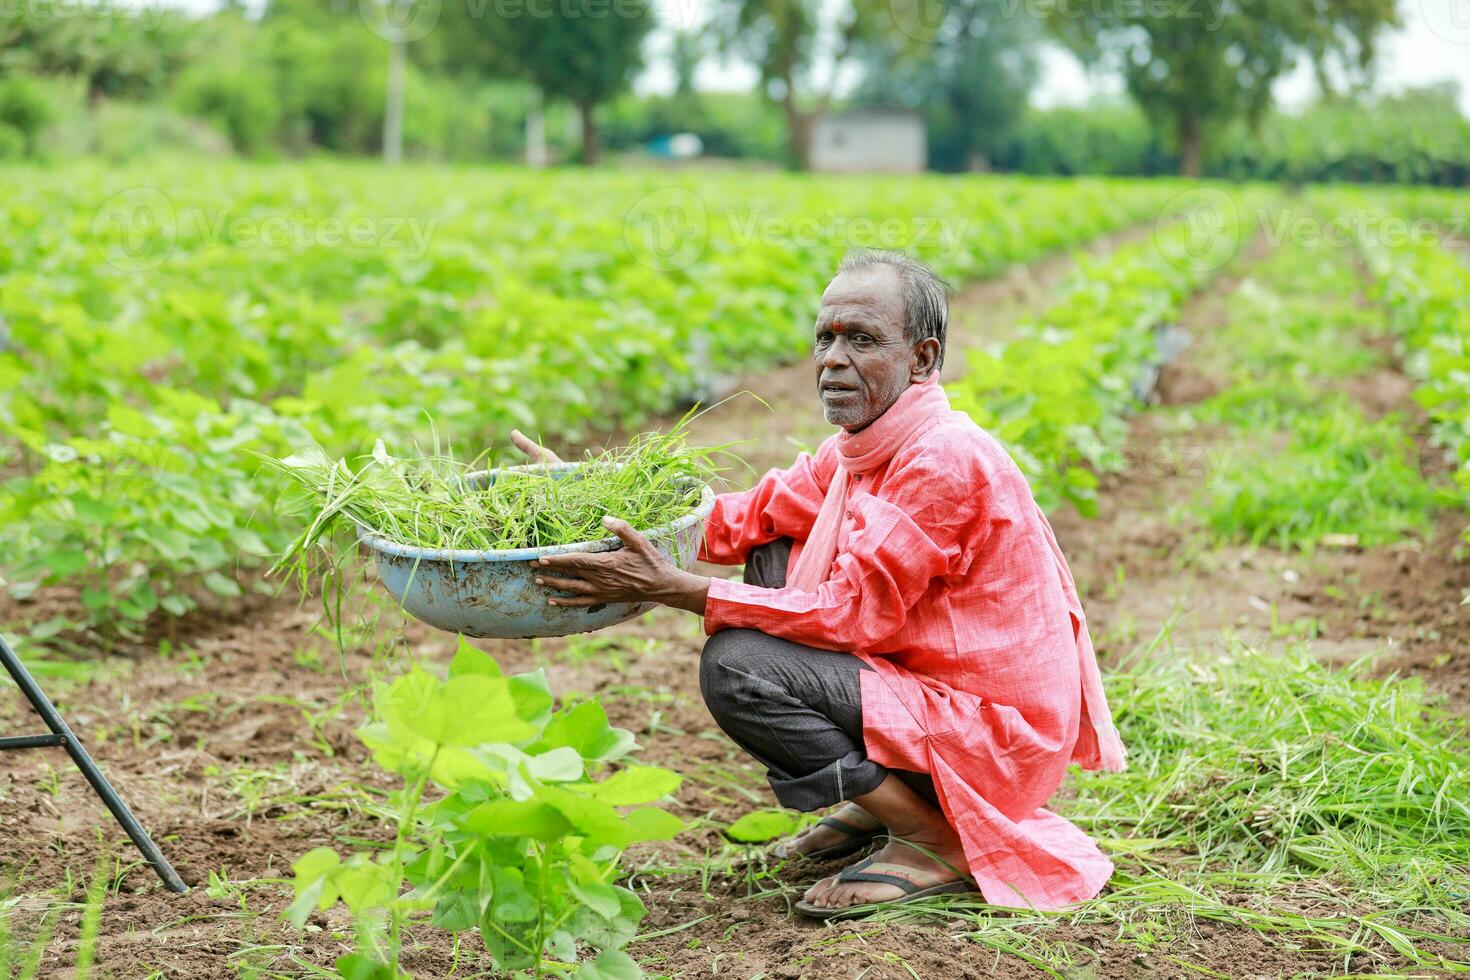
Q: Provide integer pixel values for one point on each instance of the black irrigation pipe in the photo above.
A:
(62, 735)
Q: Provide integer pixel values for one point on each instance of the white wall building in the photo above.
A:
(874, 140)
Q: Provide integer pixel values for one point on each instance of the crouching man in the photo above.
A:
(907, 644)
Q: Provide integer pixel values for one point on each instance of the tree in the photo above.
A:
(119, 53)
(1194, 65)
(970, 81)
(584, 51)
(783, 38)
(686, 53)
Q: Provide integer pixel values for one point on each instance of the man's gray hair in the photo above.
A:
(925, 294)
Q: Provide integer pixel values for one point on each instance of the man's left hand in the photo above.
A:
(637, 572)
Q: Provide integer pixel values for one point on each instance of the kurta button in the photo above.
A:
(849, 515)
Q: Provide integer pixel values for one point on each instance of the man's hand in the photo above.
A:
(637, 572)
(537, 453)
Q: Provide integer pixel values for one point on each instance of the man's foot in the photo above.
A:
(848, 826)
(903, 861)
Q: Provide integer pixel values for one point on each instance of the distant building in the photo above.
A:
(881, 140)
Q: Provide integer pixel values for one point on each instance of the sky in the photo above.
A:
(1433, 45)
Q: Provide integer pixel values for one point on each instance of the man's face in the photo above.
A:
(863, 360)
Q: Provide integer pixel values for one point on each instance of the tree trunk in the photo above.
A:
(536, 130)
(591, 149)
(799, 132)
(1191, 146)
(393, 108)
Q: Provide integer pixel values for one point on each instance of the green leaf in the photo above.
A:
(176, 604)
(467, 710)
(760, 826)
(649, 823)
(517, 818)
(359, 966)
(308, 900)
(585, 728)
(599, 896)
(313, 883)
(612, 933)
(457, 911)
(476, 708)
(611, 964)
(512, 902)
(532, 696)
(596, 820)
(636, 784)
(220, 585)
(468, 660)
(365, 885)
(64, 563)
(557, 766)
(314, 864)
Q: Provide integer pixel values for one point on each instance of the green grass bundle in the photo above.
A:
(436, 501)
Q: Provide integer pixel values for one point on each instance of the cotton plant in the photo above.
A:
(507, 825)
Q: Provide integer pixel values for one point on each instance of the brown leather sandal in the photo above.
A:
(911, 881)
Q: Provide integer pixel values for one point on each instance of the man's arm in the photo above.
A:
(933, 516)
(637, 572)
(784, 503)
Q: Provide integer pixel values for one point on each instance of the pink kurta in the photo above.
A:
(949, 583)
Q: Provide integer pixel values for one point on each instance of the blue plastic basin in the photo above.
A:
(494, 593)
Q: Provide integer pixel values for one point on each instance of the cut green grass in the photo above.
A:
(437, 501)
(1312, 477)
(1325, 810)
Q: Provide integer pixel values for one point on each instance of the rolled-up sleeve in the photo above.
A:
(921, 527)
(783, 504)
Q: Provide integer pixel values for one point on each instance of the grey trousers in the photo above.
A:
(796, 709)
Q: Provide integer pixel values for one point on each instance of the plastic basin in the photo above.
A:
(494, 593)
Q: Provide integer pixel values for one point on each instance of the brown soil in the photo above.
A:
(237, 750)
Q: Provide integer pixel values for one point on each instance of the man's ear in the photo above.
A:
(925, 360)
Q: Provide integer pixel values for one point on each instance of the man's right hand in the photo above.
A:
(538, 453)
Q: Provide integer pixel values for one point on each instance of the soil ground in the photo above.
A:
(236, 747)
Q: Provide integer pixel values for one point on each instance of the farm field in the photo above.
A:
(1268, 530)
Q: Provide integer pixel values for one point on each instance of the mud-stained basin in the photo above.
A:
(494, 593)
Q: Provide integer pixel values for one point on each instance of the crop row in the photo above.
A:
(1059, 394)
(1425, 284)
(159, 324)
